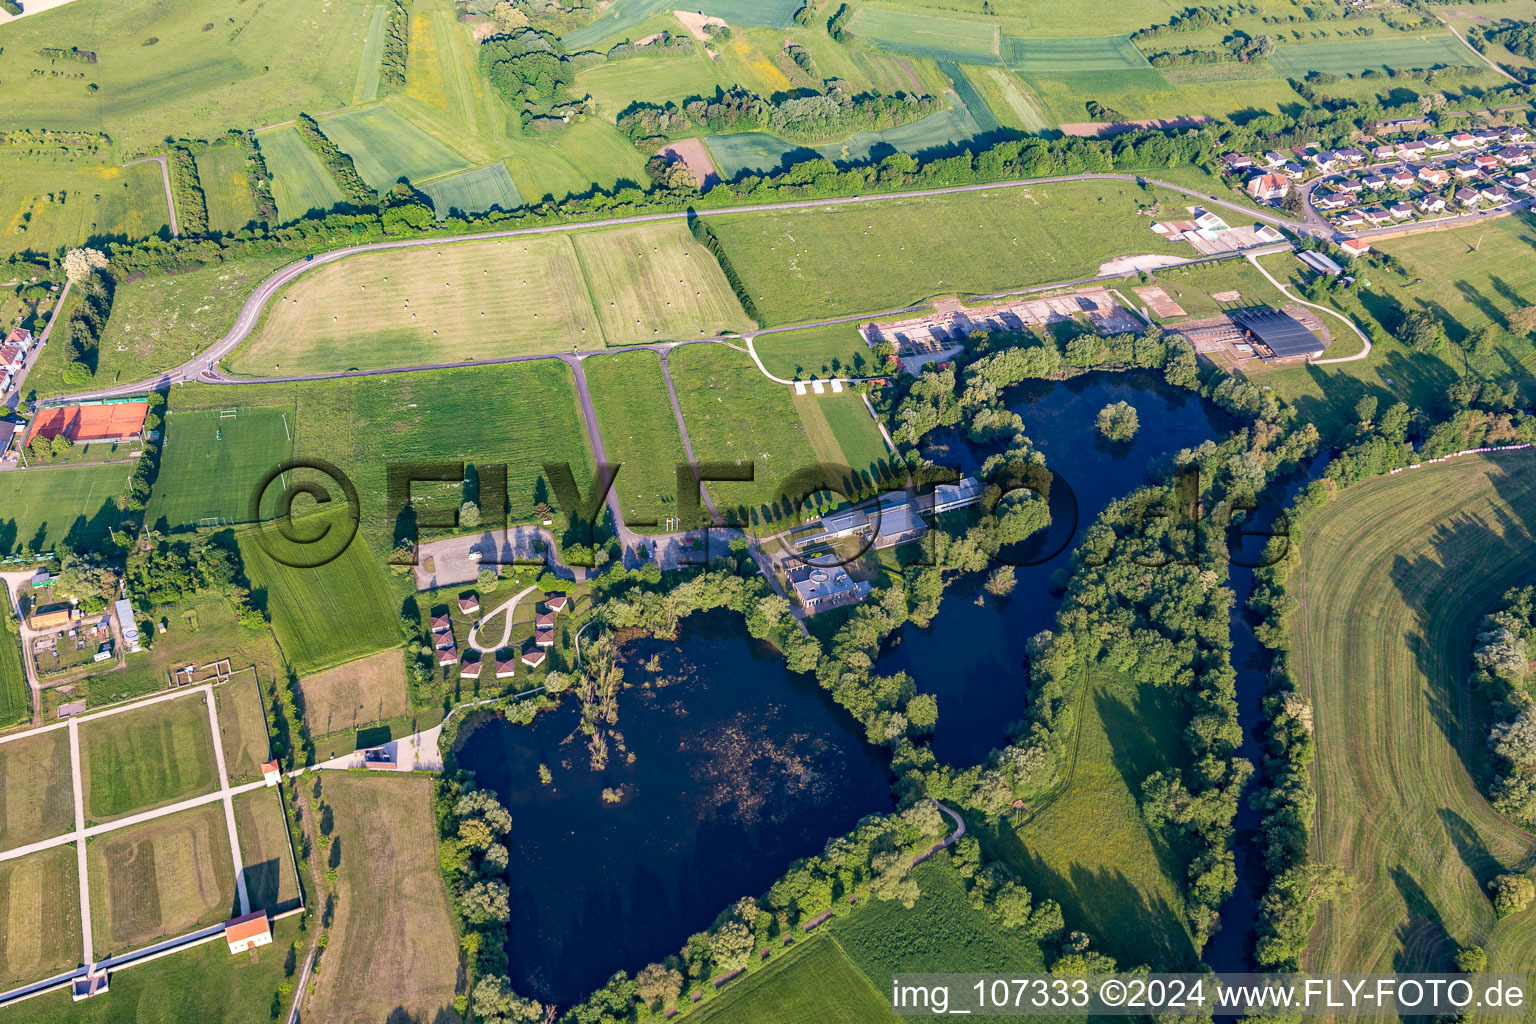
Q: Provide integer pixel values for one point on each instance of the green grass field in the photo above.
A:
(970, 98)
(656, 80)
(654, 282)
(40, 903)
(369, 68)
(36, 796)
(588, 155)
(1409, 565)
(184, 71)
(213, 462)
(200, 983)
(472, 300)
(835, 350)
(1009, 99)
(736, 415)
(843, 434)
(147, 757)
(639, 432)
(15, 693)
(926, 35)
(161, 878)
(242, 728)
(811, 981)
(1149, 93)
(1351, 58)
(1090, 850)
(322, 616)
(300, 183)
(1078, 53)
(392, 912)
(359, 693)
(624, 15)
(75, 504)
(264, 851)
(50, 201)
(802, 265)
(221, 172)
(386, 147)
(476, 191)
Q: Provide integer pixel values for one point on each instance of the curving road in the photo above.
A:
(204, 367)
(1252, 258)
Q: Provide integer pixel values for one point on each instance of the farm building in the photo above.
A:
(248, 932)
(51, 617)
(1320, 263)
(818, 589)
(111, 420)
(1285, 338)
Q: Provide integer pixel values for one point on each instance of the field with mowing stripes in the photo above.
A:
(1297, 59)
(1009, 99)
(927, 35)
(737, 416)
(1075, 53)
(300, 183)
(843, 434)
(803, 265)
(471, 300)
(15, 693)
(264, 851)
(327, 615)
(76, 504)
(811, 981)
(835, 350)
(221, 172)
(161, 878)
(639, 432)
(386, 147)
(40, 903)
(242, 728)
(475, 191)
(361, 692)
(653, 282)
(37, 798)
(977, 107)
(147, 757)
(1393, 579)
(213, 461)
(369, 66)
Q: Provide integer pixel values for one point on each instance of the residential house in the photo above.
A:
(1414, 148)
(1384, 152)
(1295, 171)
(1351, 219)
(1265, 187)
(1434, 175)
(1329, 200)
(469, 605)
(818, 588)
(1468, 196)
(506, 668)
(1496, 194)
(556, 603)
(1402, 177)
(1355, 246)
(1323, 161)
(1376, 215)
(1374, 182)
(1509, 156)
(1465, 171)
(1237, 162)
(1487, 135)
(1437, 144)
(544, 620)
(533, 659)
(248, 931)
(1400, 211)
(447, 656)
(1431, 203)
(1487, 161)
(544, 638)
(469, 666)
(1517, 133)
(1350, 155)
(1463, 140)
(1273, 160)
(1349, 187)
(442, 623)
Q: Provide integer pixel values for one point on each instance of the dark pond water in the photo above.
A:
(972, 655)
(739, 768)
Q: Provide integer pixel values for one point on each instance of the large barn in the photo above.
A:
(1285, 337)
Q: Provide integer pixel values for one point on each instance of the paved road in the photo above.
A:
(229, 804)
(505, 609)
(14, 398)
(682, 429)
(1331, 312)
(205, 366)
(165, 178)
(78, 838)
(1492, 65)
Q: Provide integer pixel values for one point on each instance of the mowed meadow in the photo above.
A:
(1411, 563)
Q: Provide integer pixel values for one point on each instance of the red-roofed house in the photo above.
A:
(248, 932)
(271, 774)
(544, 620)
(1269, 186)
(1355, 246)
(544, 638)
(506, 669)
(556, 602)
(442, 623)
(533, 659)
(469, 668)
(469, 605)
(448, 656)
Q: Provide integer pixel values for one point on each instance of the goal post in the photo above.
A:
(228, 414)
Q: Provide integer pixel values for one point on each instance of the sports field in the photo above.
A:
(1409, 565)
(161, 71)
(926, 34)
(392, 915)
(802, 265)
(264, 851)
(1388, 52)
(420, 306)
(300, 183)
(50, 201)
(737, 416)
(639, 433)
(147, 757)
(654, 282)
(1074, 53)
(76, 504)
(36, 797)
(212, 462)
(242, 728)
(811, 981)
(386, 147)
(322, 616)
(835, 350)
(474, 191)
(161, 878)
(221, 170)
(40, 903)
(361, 692)
(1089, 849)
(842, 433)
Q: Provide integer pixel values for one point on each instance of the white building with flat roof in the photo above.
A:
(126, 623)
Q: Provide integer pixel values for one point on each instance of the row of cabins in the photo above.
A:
(469, 663)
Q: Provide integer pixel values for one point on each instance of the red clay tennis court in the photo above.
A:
(85, 423)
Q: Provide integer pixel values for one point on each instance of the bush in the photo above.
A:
(77, 375)
(1511, 894)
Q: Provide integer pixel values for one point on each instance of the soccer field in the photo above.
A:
(77, 504)
(35, 789)
(213, 460)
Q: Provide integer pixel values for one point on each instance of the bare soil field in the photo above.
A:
(358, 693)
(692, 153)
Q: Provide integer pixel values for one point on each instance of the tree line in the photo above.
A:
(187, 191)
(835, 113)
(338, 164)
